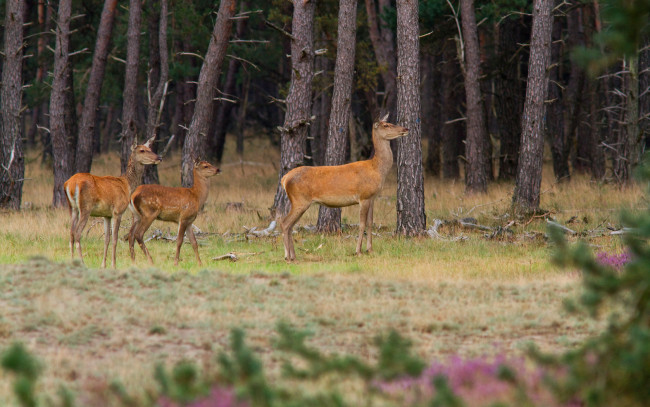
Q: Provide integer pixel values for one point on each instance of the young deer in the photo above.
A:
(341, 185)
(106, 197)
(180, 205)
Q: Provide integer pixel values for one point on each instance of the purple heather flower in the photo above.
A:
(614, 260)
(476, 381)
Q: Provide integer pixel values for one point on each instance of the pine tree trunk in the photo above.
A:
(195, 144)
(431, 108)
(329, 219)
(159, 75)
(558, 134)
(298, 116)
(84, 155)
(383, 45)
(629, 144)
(452, 129)
(529, 172)
(12, 162)
(476, 170)
(62, 148)
(511, 92)
(411, 219)
(223, 109)
(129, 105)
(644, 90)
(575, 100)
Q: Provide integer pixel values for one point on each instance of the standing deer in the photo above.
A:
(341, 185)
(106, 197)
(171, 204)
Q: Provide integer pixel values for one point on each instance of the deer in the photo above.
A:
(171, 204)
(341, 185)
(106, 197)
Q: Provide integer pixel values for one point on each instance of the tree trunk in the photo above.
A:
(476, 170)
(452, 129)
(629, 145)
(431, 108)
(510, 100)
(84, 155)
(297, 118)
(529, 172)
(62, 148)
(41, 58)
(129, 105)
(383, 45)
(411, 219)
(12, 162)
(644, 91)
(575, 99)
(157, 86)
(329, 219)
(558, 134)
(196, 139)
(224, 108)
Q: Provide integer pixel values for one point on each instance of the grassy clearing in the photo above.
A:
(471, 297)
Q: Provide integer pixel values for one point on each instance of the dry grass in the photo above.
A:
(471, 297)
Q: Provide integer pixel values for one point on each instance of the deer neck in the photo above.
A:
(383, 158)
(133, 174)
(200, 188)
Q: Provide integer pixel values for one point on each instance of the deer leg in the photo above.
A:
(107, 239)
(143, 226)
(363, 215)
(73, 225)
(369, 226)
(182, 226)
(116, 230)
(287, 224)
(81, 224)
(134, 226)
(195, 245)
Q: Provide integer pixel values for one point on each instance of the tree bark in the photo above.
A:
(329, 219)
(12, 162)
(223, 109)
(431, 108)
(297, 118)
(511, 92)
(629, 143)
(129, 105)
(411, 219)
(575, 98)
(476, 170)
(529, 172)
(62, 147)
(383, 45)
(452, 130)
(196, 139)
(157, 86)
(84, 154)
(557, 131)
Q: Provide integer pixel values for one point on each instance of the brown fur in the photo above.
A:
(106, 197)
(179, 205)
(341, 185)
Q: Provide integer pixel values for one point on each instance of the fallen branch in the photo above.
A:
(557, 225)
(261, 233)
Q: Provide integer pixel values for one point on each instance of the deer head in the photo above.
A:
(205, 169)
(144, 155)
(388, 131)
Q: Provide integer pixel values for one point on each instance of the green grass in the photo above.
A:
(474, 296)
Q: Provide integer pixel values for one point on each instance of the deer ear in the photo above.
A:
(383, 119)
(151, 140)
(135, 143)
